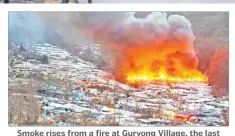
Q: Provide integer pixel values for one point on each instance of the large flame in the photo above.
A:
(158, 47)
(163, 76)
(170, 61)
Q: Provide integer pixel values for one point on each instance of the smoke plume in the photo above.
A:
(25, 27)
(145, 46)
(53, 27)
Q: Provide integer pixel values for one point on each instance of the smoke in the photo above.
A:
(123, 28)
(158, 42)
(25, 27)
(218, 72)
(37, 27)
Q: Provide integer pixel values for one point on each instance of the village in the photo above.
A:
(55, 88)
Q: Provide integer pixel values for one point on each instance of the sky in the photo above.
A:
(163, 1)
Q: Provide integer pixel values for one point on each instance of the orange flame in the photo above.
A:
(170, 61)
(157, 48)
(163, 76)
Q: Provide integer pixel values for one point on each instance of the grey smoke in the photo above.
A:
(40, 27)
(123, 28)
(100, 27)
(25, 27)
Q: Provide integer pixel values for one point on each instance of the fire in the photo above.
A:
(161, 76)
(159, 47)
(159, 63)
(185, 75)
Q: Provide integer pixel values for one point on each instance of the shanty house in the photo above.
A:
(184, 116)
(80, 97)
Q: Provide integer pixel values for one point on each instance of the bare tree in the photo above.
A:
(225, 117)
(23, 106)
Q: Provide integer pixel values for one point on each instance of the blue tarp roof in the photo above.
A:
(77, 95)
(54, 88)
(80, 96)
